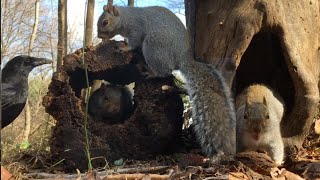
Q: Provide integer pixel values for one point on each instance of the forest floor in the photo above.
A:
(301, 164)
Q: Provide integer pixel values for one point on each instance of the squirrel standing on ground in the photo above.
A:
(166, 47)
(259, 113)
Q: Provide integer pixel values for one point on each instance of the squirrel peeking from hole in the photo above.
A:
(111, 103)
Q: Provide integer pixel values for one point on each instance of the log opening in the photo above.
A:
(264, 62)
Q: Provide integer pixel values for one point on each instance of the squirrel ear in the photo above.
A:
(115, 11)
(264, 100)
(111, 9)
(108, 8)
(105, 8)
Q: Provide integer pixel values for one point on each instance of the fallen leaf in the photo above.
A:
(79, 174)
(283, 174)
(92, 175)
(317, 126)
(237, 175)
(5, 174)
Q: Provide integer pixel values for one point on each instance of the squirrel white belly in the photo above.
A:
(259, 113)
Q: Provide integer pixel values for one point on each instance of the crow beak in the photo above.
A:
(41, 61)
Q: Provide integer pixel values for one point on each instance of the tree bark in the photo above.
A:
(62, 32)
(88, 38)
(271, 42)
(89, 23)
(27, 122)
(32, 38)
(190, 13)
(131, 3)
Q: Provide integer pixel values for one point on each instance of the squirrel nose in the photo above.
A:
(105, 22)
(257, 130)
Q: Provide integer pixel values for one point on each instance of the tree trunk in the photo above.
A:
(27, 122)
(32, 38)
(88, 38)
(131, 3)
(271, 42)
(89, 23)
(62, 32)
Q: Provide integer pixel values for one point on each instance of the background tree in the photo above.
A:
(131, 3)
(89, 23)
(62, 31)
(88, 36)
(18, 22)
(15, 27)
(32, 38)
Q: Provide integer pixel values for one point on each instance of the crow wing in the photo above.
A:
(8, 95)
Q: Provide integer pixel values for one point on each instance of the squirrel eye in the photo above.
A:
(267, 116)
(105, 22)
(27, 60)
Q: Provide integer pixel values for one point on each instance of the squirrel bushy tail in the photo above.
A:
(166, 47)
(213, 110)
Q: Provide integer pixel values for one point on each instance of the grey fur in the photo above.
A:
(166, 47)
(259, 109)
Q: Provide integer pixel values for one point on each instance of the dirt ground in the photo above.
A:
(301, 164)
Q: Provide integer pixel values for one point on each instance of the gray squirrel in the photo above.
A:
(111, 103)
(166, 47)
(259, 113)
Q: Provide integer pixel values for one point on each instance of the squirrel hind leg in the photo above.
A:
(157, 69)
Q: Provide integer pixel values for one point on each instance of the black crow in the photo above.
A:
(14, 86)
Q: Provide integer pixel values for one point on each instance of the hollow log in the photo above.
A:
(153, 128)
(271, 42)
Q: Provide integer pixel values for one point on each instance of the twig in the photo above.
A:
(136, 176)
(218, 177)
(102, 173)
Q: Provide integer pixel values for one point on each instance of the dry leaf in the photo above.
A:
(237, 175)
(283, 174)
(317, 126)
(146, 177)
(92, 175)
(79, 174)
(5, 174)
